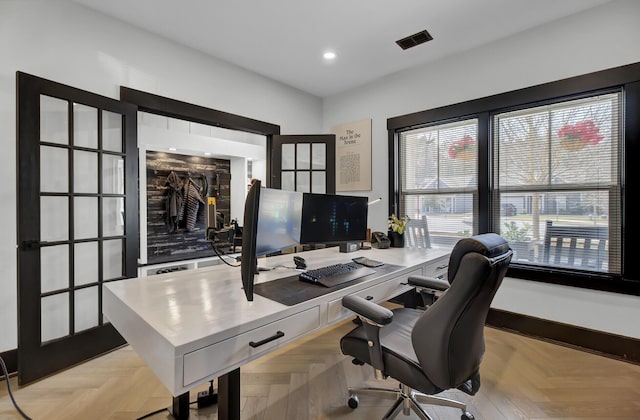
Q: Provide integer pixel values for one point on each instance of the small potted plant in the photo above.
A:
(397, 226)
(519, 239)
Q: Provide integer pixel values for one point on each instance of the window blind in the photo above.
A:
(438, 178)
(557, 183)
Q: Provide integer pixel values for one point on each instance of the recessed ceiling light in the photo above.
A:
(329, 55)
(172, 149)
(207, 153)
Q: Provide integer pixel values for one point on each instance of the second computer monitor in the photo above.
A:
(328, 218)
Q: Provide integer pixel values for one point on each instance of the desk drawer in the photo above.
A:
(377, 293)
(237, 350)
(437, 268)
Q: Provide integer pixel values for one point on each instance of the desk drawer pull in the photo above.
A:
(277, 335)
(442, 267)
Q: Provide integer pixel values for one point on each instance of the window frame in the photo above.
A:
(626, 78)
(442, 172)
(613, 190)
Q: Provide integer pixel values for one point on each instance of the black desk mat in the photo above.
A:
(291, 291)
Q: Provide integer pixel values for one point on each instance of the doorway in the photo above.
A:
(77, 220)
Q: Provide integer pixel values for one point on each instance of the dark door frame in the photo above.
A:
(330, 160)
(147, 102)
(37, 359)
(160, 105)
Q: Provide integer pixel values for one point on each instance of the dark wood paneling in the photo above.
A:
(165, 246)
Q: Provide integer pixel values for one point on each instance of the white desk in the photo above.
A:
(193, 326)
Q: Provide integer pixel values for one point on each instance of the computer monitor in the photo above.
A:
(248, 258)
(328, 218)
(272, 220)
(279, 220)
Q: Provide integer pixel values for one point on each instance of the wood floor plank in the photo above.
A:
(522, 378)
(277, 402)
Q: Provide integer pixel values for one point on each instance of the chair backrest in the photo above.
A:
(449, 336)
(575, 246)
(417, 233)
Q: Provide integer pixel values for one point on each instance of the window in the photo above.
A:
(554, 171)
(556, 168)
(438, 167)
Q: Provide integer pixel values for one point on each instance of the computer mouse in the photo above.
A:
(299, 262)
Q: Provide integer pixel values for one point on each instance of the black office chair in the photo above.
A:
(436, 349)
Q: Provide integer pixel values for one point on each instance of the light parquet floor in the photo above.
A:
(522, 378)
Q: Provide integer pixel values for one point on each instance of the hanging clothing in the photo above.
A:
(191, 203)
(173, 201)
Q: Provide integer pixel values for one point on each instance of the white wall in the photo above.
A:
(68, 44)
(597, 39)
(72, 45)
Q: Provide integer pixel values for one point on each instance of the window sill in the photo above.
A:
(575, 278)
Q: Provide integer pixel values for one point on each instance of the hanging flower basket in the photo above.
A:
(574, 137)
(572, 145)
(466, 155)
(463, 149)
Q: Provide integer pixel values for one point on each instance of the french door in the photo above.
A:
(304, 163)
(77, 220)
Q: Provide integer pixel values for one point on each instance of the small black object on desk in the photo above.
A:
(367, 262)
(300, 262)
(380, 240)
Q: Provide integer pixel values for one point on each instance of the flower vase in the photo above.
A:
(397, 239)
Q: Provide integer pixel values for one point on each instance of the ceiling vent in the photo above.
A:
(415, 39)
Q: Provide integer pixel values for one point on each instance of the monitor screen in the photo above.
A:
(272, 220)
(279, 219)
(330, 218)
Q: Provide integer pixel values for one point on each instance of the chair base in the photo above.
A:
(407, 400)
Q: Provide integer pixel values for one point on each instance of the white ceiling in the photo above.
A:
(285, 39)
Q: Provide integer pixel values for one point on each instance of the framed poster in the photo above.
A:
(353, 156)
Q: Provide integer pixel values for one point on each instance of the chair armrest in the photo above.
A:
(429, 288)
(428, 282)
(367, 309)
(374, 317)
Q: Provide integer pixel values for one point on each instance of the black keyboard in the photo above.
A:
(335, 274)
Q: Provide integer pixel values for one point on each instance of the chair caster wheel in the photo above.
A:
(353, 401)
(467, 416)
